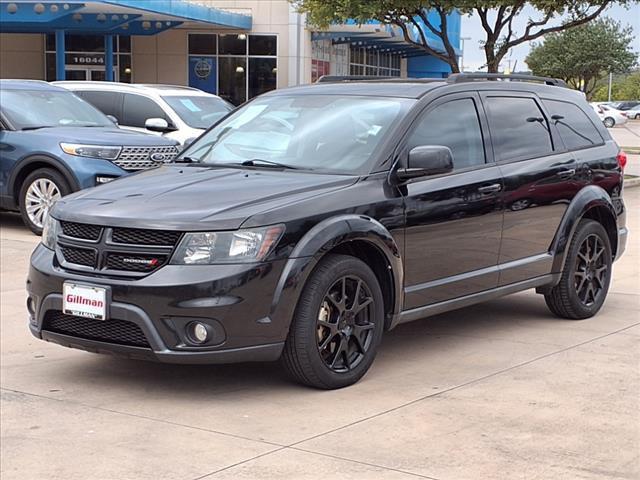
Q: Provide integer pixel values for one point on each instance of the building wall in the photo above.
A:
(21, 56)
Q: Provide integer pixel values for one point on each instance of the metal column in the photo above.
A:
(60, 62)
(108, 60)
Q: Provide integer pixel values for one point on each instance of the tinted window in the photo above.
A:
(575, 128)
(262, 75)
(137, 109)
(518, 128)
(109, 103)
(232, 44)
(454, 124)
(263, 45)
(202, 44)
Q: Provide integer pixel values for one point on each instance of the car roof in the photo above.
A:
(16, 84)
(131, 87)
(403, 88)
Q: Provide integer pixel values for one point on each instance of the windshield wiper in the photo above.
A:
(267, 163)
(37, 127)
(186, 160)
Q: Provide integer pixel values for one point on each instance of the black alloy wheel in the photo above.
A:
(345, 325)
(591, 270)
(585, 279)
(337, 325)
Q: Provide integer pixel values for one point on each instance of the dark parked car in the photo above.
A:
(364, 205)
(53, 143)
(627, 105)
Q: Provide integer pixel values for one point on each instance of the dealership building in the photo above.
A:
(234, 48)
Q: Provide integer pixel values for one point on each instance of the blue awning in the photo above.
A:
(105, 17)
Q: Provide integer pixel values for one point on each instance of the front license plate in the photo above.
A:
(84, 301)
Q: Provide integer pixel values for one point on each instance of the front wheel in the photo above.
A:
(40, 190)
(586, 275)
(338, 325)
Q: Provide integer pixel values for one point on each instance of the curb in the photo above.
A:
(632, 182)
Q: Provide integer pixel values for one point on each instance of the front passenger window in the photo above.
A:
(454, 124)
(137, 109)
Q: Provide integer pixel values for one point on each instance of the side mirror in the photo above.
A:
(157, 125)
(423, 161)
(113, 119)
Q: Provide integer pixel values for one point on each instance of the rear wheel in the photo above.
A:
(337, 326)
(39, 191)
(609, 122)
(586, 276)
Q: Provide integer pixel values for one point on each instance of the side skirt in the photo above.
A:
(448, 305)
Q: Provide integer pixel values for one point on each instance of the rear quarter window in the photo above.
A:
(109, 103)
(519, 129)
(575, 127)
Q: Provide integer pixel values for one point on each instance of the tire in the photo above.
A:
(314, 352)
(586, 276)
(609, 122)
(45, 185)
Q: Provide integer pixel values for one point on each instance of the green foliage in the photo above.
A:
(585, 54)
(496, 18)
(625, 88)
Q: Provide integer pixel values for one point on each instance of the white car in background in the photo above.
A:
(609, 115)
(177, 112)
(634, 113)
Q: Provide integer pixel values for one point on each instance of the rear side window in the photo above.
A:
(109, 103)
(519, 129)
(454, 124)
(575, 127)
(137, 109)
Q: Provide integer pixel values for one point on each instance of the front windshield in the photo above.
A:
(329, 133)
(47, 108)
(198, 111)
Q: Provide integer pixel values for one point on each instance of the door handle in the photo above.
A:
(567, 173)
(495, 187)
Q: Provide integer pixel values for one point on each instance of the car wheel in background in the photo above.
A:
(337, 326)
(609, 122)
(586, 275)
(39, 191)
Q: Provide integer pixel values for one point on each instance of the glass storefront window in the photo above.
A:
(233, 44)
(233, 79)
(265, 45)
(124, 66)
(202, 44)
(124, 44)
(263, 75)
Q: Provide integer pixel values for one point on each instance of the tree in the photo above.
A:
(496, 17)
(625, 88)
(584, 55)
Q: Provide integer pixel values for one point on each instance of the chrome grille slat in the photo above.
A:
(139, 158)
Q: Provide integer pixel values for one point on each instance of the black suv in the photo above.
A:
(312, 219)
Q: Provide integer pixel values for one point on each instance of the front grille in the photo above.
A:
(134, 236)
(139, 158)
(134, 262)
(119, 332)
(81, 230)
(79, 256)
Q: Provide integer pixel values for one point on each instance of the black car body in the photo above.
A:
(432, 236)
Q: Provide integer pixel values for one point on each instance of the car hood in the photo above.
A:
(101, 136)
(193, 198)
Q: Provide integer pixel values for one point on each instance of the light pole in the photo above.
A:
(461, 66)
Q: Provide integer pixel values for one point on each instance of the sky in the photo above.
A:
(474, 57)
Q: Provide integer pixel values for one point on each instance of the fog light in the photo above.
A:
(199, 332)
(101, 180)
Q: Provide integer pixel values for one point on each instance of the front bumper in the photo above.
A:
(235, 300)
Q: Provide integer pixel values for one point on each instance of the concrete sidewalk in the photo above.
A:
(501, 390)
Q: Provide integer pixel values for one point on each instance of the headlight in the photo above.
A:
(92, 151)
(50, 232)
(241, 246)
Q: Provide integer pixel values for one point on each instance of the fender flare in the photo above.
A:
(319, 240)
(49, 161)
(588, 198)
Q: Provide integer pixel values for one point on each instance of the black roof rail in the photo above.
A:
(471, 77)
(373, 78)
